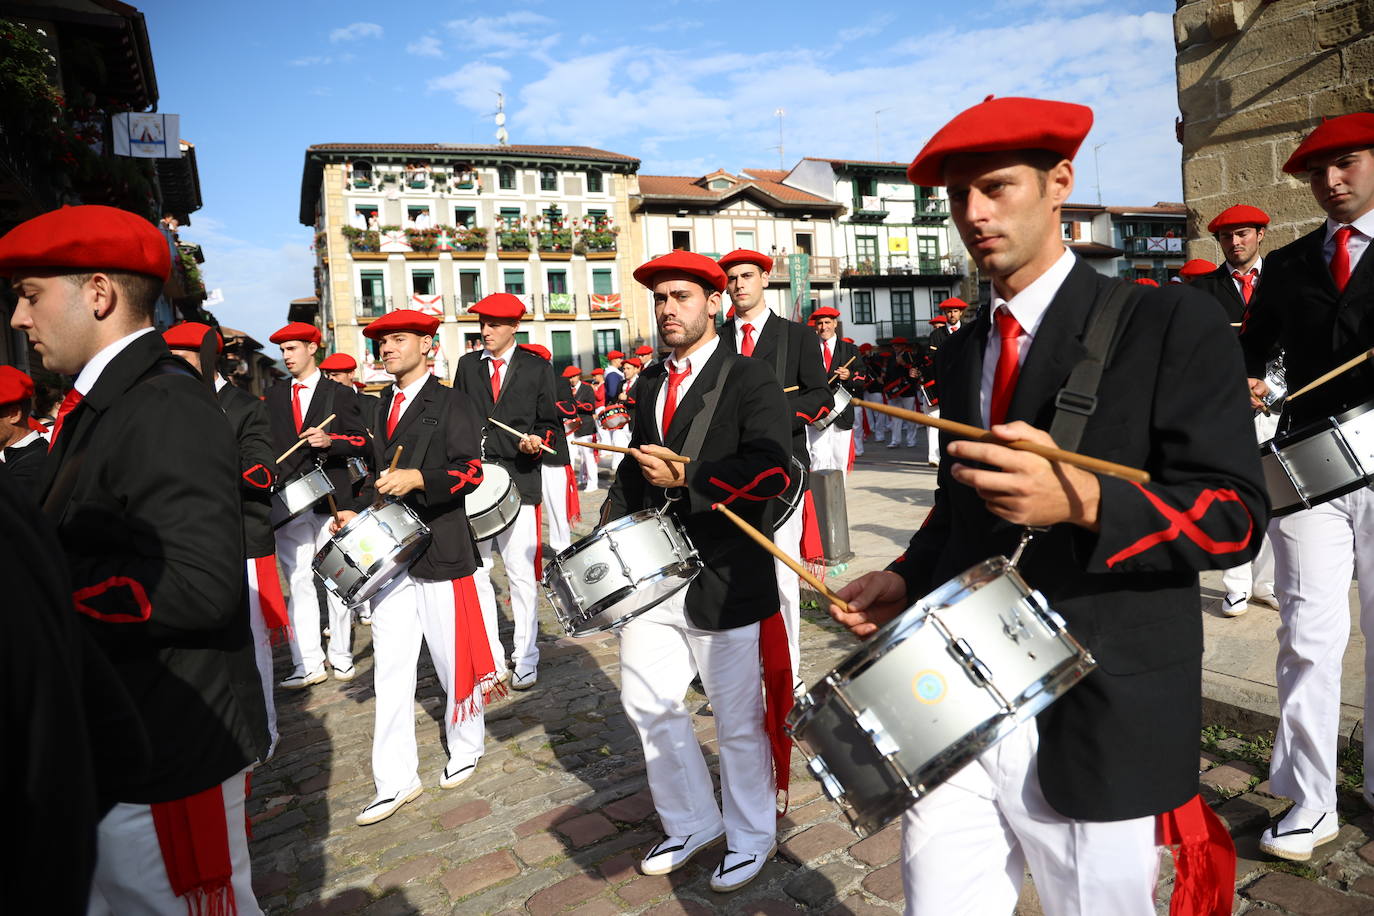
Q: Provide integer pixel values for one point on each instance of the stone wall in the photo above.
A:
(1254, 76)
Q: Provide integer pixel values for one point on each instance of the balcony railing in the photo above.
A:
(1154, 247)
(932, 208)
(911, 330)
(895, 265)
(371, 306)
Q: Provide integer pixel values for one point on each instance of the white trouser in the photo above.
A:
(1315, 553)
(410, 609)
(966, 845)
(555, 506)
(902, 432)
(620, 437)
(585, 458)
(516, 546)
(829, 448)
(130, 875)
(877, 421)
(660, 651)
(932, 438)
(857, 433)
(297, 543)
(1255, 578)
(788, 537)
(262, 651)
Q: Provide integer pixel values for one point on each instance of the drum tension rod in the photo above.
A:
(1026, 534)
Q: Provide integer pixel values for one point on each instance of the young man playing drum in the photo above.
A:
(1075, 793)
(830, 447)
(951, 321)
(559, 483)
(1316, 302)
(517, 388)
(295, 409)
(719, 625)
(581, 424)
(438, 431)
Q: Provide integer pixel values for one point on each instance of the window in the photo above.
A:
(928, 253)
(903, 313)
(937, 296)
(372, 299)
(558, 281)
(548, 180)
(510, 218)
(418, 217)
(744, 238)
(505, 178)
(1066, 231)
(594, 183)
(862, 306)
(866, 249)
(601, 282)
(804, 242)
(470, 286)
(598, 217)
(552, 214)
(522, 337)
(422, 283)
(465, 217)
(514, 281)
(682, 240)
(865, 186)
(364, 217)
(606, 341)
(560, 345)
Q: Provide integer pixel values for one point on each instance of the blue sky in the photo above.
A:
(686, 87)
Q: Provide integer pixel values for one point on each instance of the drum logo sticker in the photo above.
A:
(928, 686)
(595, 573)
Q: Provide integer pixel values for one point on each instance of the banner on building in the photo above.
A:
(605, 302)
(429, 305)
(898, 245)
(798, 271)
(146, 135)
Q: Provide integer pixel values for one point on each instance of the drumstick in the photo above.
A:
(845, 366)
(680, 459)
(1323, 379)
(299, 442)
(519, 435)
(768, 545)
(791, 389)
(334, 509)
(396, 458)
(965, 431)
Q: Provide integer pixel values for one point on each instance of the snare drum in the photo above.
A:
(357, 469)
(934, 688)
(299, 494)
(1320, 461)
(795, 494)
(842, 399)
(1276, 377)
(615, 417)
(494, 505)
(376, 546)
(619, 571)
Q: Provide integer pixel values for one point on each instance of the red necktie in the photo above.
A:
(296, 405)
(496, 365)
(70, 401)
(395, 414)
(746, 348)
(670, 399)
(1340, 259)
(1247, 283)
(1008, 365)
(828, 355)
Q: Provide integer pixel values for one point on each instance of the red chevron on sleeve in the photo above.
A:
(265, 483)
(820, 413)
(1185, 523)
(548, 437)
(747, 491)
(473, 476)
(567, 407)
(358, 441)
(138, 595)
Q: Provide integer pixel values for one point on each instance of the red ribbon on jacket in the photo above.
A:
(1185, 523)
(747, 491)
(193, 834)
(473, 475)
(1204, 859)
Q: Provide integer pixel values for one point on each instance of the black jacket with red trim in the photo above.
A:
(140, 484)
(441, 435)
(743, 463)
(582, 403)
(1123, 743)
(347, 434)
(1219, 285)
(1298, 308)
(526, 404)
(855, 384)
(792, 351)
(257, 466)
(25, 465)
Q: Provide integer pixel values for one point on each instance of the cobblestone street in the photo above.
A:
(558, 813)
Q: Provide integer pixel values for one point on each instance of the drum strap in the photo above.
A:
(696, 433)
(1077, 400)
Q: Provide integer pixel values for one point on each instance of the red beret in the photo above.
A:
(884, 352)
(297, 330)
(682, 262)
(635, 361)
(415, 322)
(615, 354)
(572, 372)
(1003, 124)
(1352, 131)
(847, 339)
(499, 305)
(188, 336)
(338, 362)
(1239, 215)
(939, 319)
(953, 302)
(745, 256)
(538, 350)
(644, 350)
(14, 385)
(361, 386)
(899, 340)
(826, 311)
(865, 347)
(1146, 281)
(89, 237)
(598, 371)
(1197, 267)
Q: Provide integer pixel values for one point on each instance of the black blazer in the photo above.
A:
(1222, 288)
(347, 433)
(25, 465)
(441, 435)
(744, 453)
(1297, 308)
(579, 404)
(527, 399)
(856, 382)
(139, 484)
(794, 353)
(257, 466)
(1122, 743)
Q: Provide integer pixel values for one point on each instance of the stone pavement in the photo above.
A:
(558, 812)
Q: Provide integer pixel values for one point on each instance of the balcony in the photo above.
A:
(869, 209)
(911, 330)
(556, 245)
(370, 307)
(595, 244)
(513, 243)
(1154, 246)
(605, 305)
(931, 210)
(560, 305)
(819, 268)
(897, 269)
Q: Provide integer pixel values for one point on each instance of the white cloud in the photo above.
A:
(473, 85)
(501, 35)
(674, 25)
(874, 26)
(356, 31)
(310, 61)
(426, 46)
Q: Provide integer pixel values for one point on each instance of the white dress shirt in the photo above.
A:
(90, 373)
(311, 382)
(1356, 244)
(505, 366)
(1028, 308)
(758, 321)
(697, 360)
(410, 391)
(1257, 269)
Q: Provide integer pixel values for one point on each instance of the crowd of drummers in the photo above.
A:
(1026, 690)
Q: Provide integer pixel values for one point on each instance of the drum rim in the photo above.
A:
(796, 503)
(599, 532)
(829, 419)
(1323, 424)
(415, 542)
(487, 513)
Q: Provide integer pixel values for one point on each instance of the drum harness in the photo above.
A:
(701, 423)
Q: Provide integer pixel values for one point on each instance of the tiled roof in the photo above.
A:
(900, 165)
(1095, 208)
(1095, 250)
(767, 174)
(686, 187)
(1161, 208)
(573, 152)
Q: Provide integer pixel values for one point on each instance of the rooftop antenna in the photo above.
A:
(779, 114)
(877, 137)
(1097, 172)
(502, 136)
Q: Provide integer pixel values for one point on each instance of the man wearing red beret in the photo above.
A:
(517, 388)
(1239, 230)
(1081, 792)
(296, 409)
(22, 443)
(831, 448)
(142, 471)
(580, 399)
(560, 506)
(952, 319)
(724, 626)
(1317, 304)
